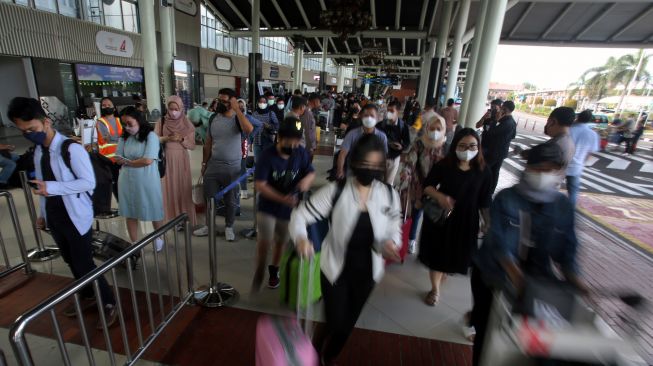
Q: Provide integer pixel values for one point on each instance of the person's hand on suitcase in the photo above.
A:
(290, 200)
(40, 223)
(391, 252)
(305, 248)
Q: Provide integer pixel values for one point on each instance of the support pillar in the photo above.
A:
(341, 79)
(457, 50)
(298, 64)
(366, 90)
(323, 73)
(150, 59)
(255, 58)
(424, 74)
(165, 20)
(487, 50)
(471, 66)
(440, 60)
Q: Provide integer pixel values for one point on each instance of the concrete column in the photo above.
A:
(323, 73)
(256, 26)
(487, 50)
(457, 50)
(150, 62)
(341, 79)
(424, 73)
(165, 20)
(439, 61)
(471, 65)
(299, 64)
(366, 90)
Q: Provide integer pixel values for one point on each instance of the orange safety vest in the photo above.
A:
(108, 149)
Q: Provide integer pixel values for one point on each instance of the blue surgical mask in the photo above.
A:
(37, 137)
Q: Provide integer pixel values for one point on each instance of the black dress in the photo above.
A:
(448, 248)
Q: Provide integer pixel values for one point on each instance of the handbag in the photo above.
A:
(198, 192)
(161, 163)
(434, 212)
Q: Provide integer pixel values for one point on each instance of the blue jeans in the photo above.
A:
(417, 214)
(8, 166)
(573, 187)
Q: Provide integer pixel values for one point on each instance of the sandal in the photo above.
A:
(432, 298)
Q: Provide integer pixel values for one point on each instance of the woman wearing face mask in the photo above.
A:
(365, 213)
(265, 136)
(460, 185)
(178, 135)
(139, 185)
(280, 109)
(422, 155)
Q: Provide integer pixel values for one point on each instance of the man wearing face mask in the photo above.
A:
(222, 155)
(283, 171)
(533, 212)
(109, 130)
(496, 140)
(369, 116)
(65, 198)
(398, 136)
(558, 127)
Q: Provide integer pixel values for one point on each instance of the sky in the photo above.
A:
(550, 67)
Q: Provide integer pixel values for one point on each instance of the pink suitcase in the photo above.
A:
(281, 341)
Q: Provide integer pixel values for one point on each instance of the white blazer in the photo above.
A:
(385, 215)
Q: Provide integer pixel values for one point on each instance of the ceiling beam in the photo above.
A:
(454, 16)
(557, 20)
(595, 20)
(373, 10)
(319, 33)
(222, 17)
(403, 46)
(262, 17)
(360, 43)
(238, 13)
(632, 22)
(410, 68)
(422, 15)
(333, 45)
(389, 47)
(344, 55)
(281, 14)
(470, 32)
(303, 13)
(590, 44)
(397, 14)
(431, 29)
(523, 16)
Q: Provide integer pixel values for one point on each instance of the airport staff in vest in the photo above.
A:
(109, 130)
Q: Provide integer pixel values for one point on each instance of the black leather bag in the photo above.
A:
(434, 212)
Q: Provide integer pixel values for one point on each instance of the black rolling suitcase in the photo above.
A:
(107, 246)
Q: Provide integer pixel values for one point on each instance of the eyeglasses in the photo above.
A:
(465, 147)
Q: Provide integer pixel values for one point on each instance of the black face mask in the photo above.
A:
(107, 111)
(366, 176)
(221, 108)
(287, 150)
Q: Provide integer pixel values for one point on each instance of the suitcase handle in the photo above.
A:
(309, 288)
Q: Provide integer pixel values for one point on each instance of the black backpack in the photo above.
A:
(101, 196)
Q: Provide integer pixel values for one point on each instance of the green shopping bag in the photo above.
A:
(290, 279)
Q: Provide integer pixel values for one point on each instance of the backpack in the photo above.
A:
(101, 196)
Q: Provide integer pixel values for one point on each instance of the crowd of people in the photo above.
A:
(447, 176)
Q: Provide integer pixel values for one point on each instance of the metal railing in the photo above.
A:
(42, 252)
(177, 301)
(218, 294)
(9, 269)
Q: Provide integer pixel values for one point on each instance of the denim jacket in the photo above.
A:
(552, 237)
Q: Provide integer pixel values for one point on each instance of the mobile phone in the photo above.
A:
(33, 185)
(122, 158)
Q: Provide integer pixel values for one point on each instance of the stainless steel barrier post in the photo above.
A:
(251, 233)
(3, 360)
(218, 294)
(41, 253)
(19, 238)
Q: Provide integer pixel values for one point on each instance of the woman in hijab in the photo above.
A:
(178, 135)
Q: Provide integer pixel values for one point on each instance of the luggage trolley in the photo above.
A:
(584, 339)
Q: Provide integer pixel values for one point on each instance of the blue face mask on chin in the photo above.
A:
(37, 137)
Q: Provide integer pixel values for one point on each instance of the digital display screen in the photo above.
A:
(381, 80)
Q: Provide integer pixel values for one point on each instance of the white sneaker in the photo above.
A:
(203, 231)
(158, 244)
(412, 246)
(244, 195)
(229, 234)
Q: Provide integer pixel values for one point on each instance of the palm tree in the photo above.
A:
(630, 70)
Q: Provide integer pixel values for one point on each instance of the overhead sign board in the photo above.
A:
(114, 44)
(186, 6)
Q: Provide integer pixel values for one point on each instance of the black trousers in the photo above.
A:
(482, 295)
(77, 252)
(496, 169)
(343, 303)
(115, 173)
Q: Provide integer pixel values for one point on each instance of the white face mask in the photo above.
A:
(270, 101)
(262, 105)
(392, 116)
(435, 135)
(281, 105)
(369, 122)
(542, 181)
(466, 155)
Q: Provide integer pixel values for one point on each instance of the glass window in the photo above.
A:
(47, 5)
(68, 8)
(113, 15)
(129, 17)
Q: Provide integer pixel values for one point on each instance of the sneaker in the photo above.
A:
(110, 315)
(229, 234)
(203, 231)
(274, 281)
(85, 304)
(412, 246)
(158, 244)
(244, 195)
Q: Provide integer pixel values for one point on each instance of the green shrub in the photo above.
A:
(539, 101)
(571, 103)
(550, 103)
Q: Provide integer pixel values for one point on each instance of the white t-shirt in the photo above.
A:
(586, 141)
